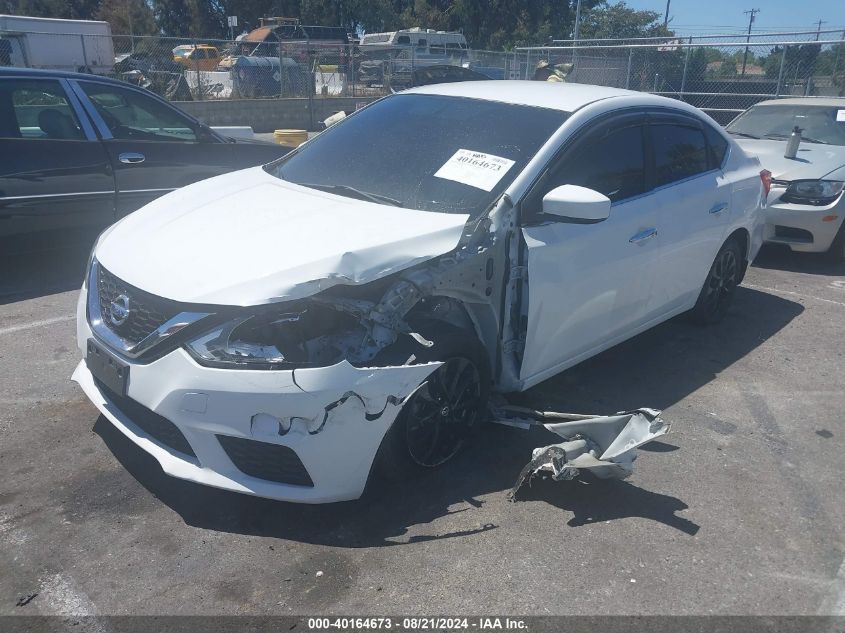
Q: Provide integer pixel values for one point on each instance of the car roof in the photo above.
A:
(39, 73)
(567, 97)
(828, 102)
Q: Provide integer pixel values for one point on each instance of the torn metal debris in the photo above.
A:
(604, 445)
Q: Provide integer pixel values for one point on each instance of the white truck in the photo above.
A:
(75, 45)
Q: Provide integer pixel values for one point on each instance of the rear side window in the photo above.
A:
(718, 146)
(131, 115)
(611, 163)
(680, 151)
(37, 109)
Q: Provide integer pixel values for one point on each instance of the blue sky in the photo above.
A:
(726, 16)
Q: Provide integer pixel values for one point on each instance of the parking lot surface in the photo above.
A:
(740, 510)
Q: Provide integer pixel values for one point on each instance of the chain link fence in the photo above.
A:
(721, 74)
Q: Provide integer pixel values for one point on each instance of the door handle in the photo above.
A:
(719, 208)
(643, 235)
(131, 158)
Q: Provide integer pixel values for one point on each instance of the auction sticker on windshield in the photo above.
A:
(475, 169)
(840, 115)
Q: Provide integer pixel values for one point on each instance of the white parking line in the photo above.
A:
(776, 291)
(35, 324)
(835, 604)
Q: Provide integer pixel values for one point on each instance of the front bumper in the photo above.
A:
(338, 416)
(802, 227)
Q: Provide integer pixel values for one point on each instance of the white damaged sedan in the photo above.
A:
(285, 330)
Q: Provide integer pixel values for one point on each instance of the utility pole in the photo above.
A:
(575, 33)
(131, 35)
(666, 17)
(577, 21)
(750, 13)
(819, 29)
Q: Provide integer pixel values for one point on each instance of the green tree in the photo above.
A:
(68, 9)
(128, 16)
(619, 21)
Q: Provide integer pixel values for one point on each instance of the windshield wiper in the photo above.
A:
(743, 134)
(353, 192)
(803, 138)
(814, 140)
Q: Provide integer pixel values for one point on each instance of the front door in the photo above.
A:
(589, 284)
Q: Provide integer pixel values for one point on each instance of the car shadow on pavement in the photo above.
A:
(592, 500)
(780, 257)
(43, 267)
(657, 369)
(665, 364)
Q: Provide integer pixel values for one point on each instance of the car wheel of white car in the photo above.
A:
(718, 291)
(443, 415)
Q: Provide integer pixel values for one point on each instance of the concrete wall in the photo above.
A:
(266, 115)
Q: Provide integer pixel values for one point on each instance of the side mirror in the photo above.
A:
(577, 203)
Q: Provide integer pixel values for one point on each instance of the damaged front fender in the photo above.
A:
(378, 390)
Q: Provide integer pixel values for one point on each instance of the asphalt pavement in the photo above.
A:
(739, 510)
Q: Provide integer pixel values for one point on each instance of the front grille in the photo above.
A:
(146, 312)
(158, 427)
(263, 460)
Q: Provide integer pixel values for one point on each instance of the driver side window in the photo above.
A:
(610, 160)
(130, 115)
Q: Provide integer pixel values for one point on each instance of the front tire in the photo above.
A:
(719, 288)
(440, 419)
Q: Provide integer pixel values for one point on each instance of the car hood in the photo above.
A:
(813, 160)
(248, 238)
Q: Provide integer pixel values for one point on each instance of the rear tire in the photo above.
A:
(440, 419)
(719, 287)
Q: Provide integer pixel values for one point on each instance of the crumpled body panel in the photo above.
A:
(247, 238)
(606, 446)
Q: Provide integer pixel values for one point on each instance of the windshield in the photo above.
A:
(819, 124)
(425, 152)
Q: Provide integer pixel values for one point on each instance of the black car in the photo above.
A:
(82, 151)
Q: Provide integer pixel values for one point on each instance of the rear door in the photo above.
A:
(155, 148)
(54, 172)
(589, 284)
(693, 198)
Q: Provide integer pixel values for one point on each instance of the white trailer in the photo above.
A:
(75, 45)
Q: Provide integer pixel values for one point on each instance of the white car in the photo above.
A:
(806, 207)
(281, 331)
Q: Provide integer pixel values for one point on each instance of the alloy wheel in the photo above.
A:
(443, 413)
(721, 282)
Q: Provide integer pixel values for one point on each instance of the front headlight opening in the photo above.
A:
(278, 339)
(813, 192)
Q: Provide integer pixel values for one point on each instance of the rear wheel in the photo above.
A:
(718, 291)
(443, 415)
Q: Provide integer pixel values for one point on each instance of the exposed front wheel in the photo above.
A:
(718, 291)
(444, 413)
(441, 417)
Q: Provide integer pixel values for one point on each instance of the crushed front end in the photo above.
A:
(189, 387)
